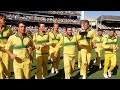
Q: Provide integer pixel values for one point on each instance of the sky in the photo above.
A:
(96, 14)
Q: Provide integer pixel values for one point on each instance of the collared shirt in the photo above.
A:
(20, 45)
(85, 41)
(110, 41)
(4, 35)
(39, 40)
(99, 41)
(69, 44)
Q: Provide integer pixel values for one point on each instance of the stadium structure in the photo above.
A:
(106, 22)
(32, 18)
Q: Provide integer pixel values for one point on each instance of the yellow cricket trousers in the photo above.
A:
(85, 58)
(69, 62)
(98, 55)
(109, 58)
(4, 65)
(42, 61)
(79, 58)
(55, 60)
(22, 68)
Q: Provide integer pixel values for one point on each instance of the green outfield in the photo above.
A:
(93, 74)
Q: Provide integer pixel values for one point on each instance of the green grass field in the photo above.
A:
(93, 74)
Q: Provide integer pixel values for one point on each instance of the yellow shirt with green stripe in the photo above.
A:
(20, 45)
(4, 35)
(69, 45)
(110, 41)
(99, 41)
(85, 41)
(39, 40)
(54, 39)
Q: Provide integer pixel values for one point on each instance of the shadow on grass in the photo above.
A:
(60, 75)
(115, 70)
(93, 68)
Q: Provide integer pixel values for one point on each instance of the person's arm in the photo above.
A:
(34, 42)
(59, 44)
(104, 44)
(94, 39)
(78, 38)
(7, 48)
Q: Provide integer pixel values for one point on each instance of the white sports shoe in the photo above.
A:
(84, 77)
(52, 70)
(105, 75)
(78, 66)
(109, 74)
(43, 77)
(56, 71)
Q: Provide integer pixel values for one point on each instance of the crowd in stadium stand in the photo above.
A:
(41, 18)
(34, 29)
(102, 26)
(60, 12)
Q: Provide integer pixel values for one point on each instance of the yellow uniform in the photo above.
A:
(99, 48)
(41, 54)
(85, 44)
(4, 57)
(69, 49)
(54, 39)
(79, 56)
(110, 54)
(21, 63)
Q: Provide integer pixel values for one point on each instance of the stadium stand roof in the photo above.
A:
(108, 18)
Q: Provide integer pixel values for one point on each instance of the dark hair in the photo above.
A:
(100, 29)
(40, 23)
(68, 27)
(112, 30)
(85, 21)
(19, 22)
(2, 15)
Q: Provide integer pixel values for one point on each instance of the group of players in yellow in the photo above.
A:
(20, 46)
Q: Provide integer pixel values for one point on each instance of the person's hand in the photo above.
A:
(94, 45)
(30, 49)
(13, 56)
(37, 47)
(55, 54)
(44, 44)
(111, 47)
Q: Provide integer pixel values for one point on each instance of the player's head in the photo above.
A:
(41, 26)
(21, 27)
(55, 26)
(69, 30)
(2, 19)
(100, 32)
(112, 32)
(85, 24)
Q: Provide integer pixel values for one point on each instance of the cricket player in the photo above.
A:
(55, 36)
(86, 38)
(5, 33)
(99, 48)
(21, 57)
(69, 43)
(41, 42)
(110, 44)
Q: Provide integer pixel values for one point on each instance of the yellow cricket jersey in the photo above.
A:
(109, 41)
(99, 41)
(69, 45)
(38, 40)
(54, 39)
(85, 41)
(20, 45)
(4, 35)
